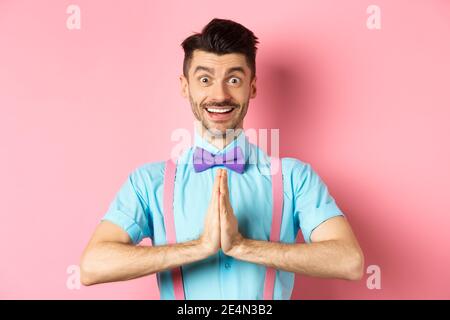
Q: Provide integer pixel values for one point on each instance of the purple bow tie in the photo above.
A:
(233, 159)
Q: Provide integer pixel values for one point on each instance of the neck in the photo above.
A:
(219, 141)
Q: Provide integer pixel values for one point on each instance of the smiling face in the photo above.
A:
(219, 89)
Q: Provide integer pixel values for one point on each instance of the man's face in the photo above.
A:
(219, 89)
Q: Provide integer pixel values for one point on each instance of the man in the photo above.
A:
(222, 217)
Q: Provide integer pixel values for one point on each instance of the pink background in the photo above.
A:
(369, 109)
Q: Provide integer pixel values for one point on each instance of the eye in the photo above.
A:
(235, 80)
(204, 80)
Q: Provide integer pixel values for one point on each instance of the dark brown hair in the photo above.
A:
(221, 36)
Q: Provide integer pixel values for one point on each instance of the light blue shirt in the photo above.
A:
(138, 209)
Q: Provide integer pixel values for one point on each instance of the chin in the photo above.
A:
(219, 129)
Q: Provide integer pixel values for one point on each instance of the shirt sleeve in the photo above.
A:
(130, 210)
(313, 203)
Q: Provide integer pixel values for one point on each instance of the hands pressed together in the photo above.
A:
(221, 226)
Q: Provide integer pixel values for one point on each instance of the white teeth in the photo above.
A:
(218, 110)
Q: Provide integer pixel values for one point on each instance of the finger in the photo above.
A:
(216, 192)
(224, 200)
(224, 183)
(216, 186)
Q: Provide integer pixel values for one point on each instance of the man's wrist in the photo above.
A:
(204, 249)
(237, 247)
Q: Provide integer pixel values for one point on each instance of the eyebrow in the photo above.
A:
(210, 70)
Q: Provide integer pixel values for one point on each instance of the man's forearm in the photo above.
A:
(112, 261)
(327, 259)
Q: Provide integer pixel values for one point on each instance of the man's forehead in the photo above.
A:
(215, 61)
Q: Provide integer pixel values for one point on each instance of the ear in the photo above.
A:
(184, 86)
(253, 88)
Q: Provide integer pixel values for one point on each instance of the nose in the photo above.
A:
(219, 92)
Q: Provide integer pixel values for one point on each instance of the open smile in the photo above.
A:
(220, 113)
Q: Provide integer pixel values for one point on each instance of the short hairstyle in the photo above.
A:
(222, 36)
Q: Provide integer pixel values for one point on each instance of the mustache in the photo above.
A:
(225, 103)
